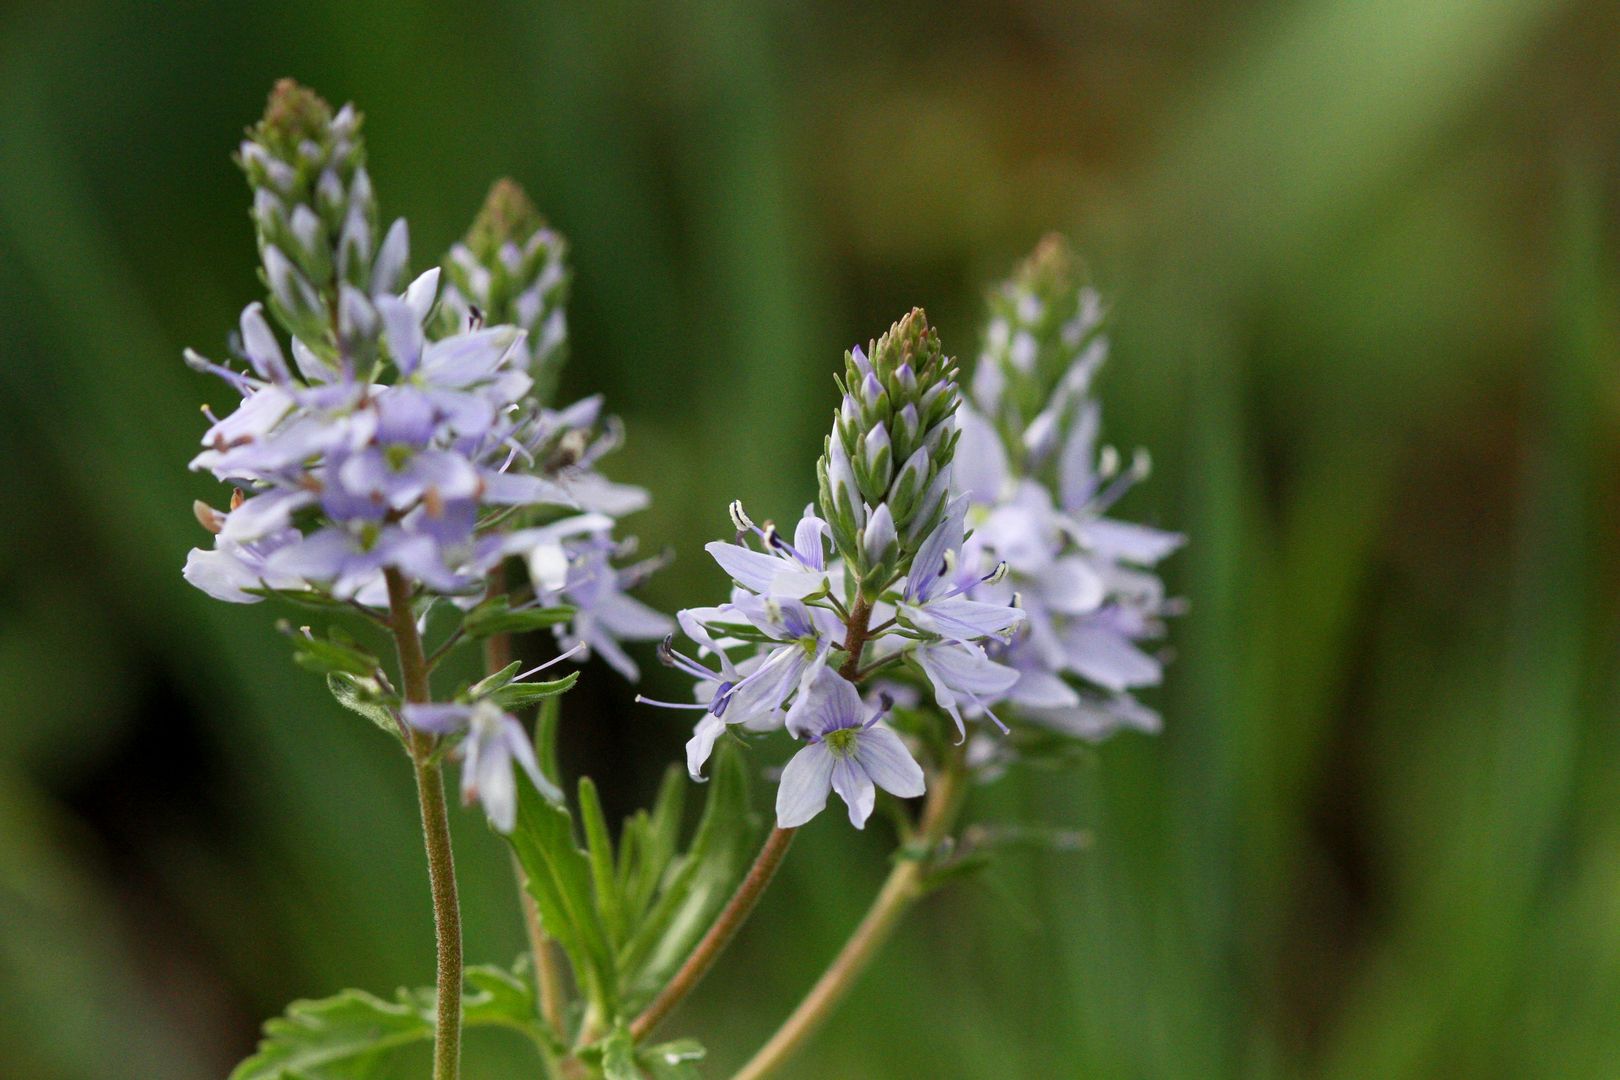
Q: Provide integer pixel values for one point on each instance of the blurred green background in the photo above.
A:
(1363, 255)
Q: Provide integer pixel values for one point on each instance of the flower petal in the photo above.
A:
(806, 781)
(855, 788)
(887, 761)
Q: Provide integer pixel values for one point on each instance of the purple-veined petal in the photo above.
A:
(961, 619)
(806, 780)
(928, 566)
(419, 294)
(263, 351)
(701, 744)
(222, 575)
(753, 569)
(854, 787)
(1129, 542)
(887, 761)
(1108, 659)
(808, 540)
(404, 333)
(1036, 689)
(1077, 470)
(1071, 586)
(980, 462)
(264, 513)
(389, 267)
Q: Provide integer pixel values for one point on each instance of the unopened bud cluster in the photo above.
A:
(1043, 344)
(322, 252)
(886, 469)
(1040, 490)
(511, 268)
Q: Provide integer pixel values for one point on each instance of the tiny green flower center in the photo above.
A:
(842, 741)
(397, 456)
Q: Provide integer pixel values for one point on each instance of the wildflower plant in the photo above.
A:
(956, 601)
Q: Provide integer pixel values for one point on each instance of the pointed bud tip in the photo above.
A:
(508, 214)
(293, 113)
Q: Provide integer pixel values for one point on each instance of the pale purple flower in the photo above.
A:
(935, 597)
(783, 570)
(850, 751)
(494, 740)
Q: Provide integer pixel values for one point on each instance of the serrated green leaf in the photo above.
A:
(344, 1036)
(519, 695)
(651, 839)
(363, 696)
(496, 616)
(334, 1038)
(558, 876)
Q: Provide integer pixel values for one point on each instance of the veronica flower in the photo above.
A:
(494, 740)
(935, 597)
(850, 751)
(783, 570)
(605, 614)
(234, 566)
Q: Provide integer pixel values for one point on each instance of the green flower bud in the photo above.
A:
(511, 268)
(1042, 344)
(890, 447)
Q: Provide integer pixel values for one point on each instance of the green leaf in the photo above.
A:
(364, 696)
(496, 997)
(649, 843)
(304, 598)
(343, 1037)
(493, 682)
(496, 616)
(697, 884)
(619, 1056)
(599, 846)
(327, 655)
(518, 695)
(558, 876)
(335, 1037)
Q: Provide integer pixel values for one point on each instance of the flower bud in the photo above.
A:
(511, 267)
(313, 206)
(899, 403)
(1042, 346)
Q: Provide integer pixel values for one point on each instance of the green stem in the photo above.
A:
(906, 883)
(413, 671)
(719, 936)
(742, 902)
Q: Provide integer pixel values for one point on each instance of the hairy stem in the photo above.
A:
(413, 671)
(905, 884)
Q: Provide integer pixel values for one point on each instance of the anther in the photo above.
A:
(208, 517)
